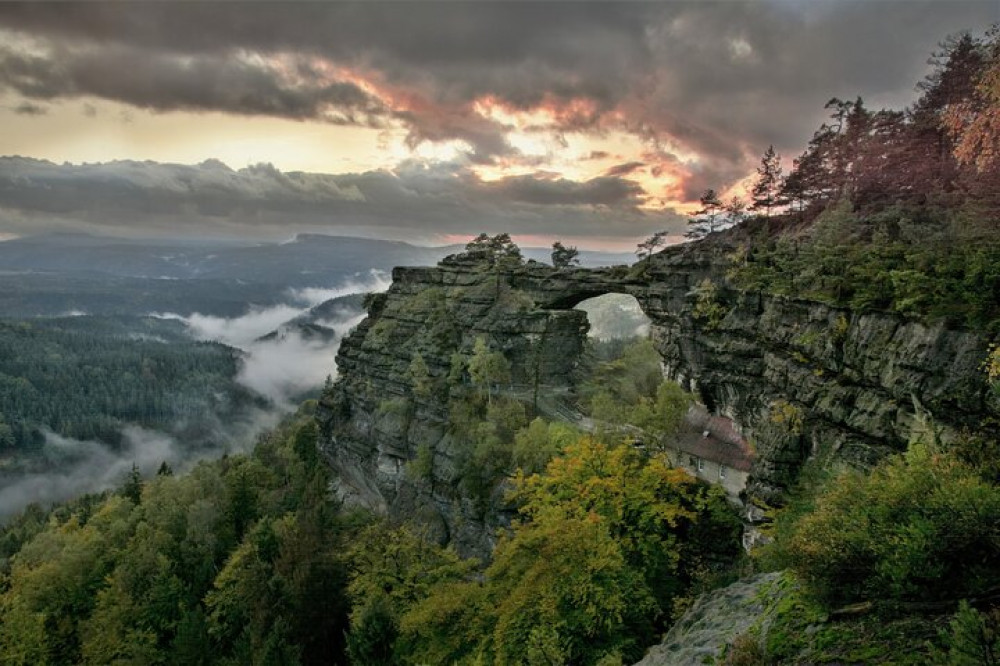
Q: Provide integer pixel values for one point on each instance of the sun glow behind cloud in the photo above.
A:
(565, 117)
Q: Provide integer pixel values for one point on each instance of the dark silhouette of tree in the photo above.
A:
(647, 247)
(564, 257)
(133, 485)
(766, 191)
(735, 211)
(708, 219)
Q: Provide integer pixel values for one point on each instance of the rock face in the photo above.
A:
(800, 378)
(714, 621)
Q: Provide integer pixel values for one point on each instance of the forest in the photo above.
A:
(249, 560)
(86, 377)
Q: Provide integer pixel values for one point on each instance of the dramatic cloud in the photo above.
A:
(415, 199)
(707, 84)
(167, 82)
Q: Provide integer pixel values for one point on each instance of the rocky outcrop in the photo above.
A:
(799, 378)
(715, 620)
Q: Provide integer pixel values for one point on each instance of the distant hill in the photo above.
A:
(56, 274)
(308, 260)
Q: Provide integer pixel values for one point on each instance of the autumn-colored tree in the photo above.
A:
(974, 120)
(588, 572)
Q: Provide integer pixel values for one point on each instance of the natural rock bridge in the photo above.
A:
(800, 378)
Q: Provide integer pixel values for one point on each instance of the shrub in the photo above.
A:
(923, 525)
(972, 639)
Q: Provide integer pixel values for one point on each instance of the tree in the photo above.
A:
(601, 551)
(304, 443)
(973, 639)
(922, 525)
(564, 257)
(456, 369)
(766, 189)
(707, 220)
(133, 485)
(974, 120)
(539, 443)
(7, 440)
(488, 368)
(498, 251)
(736, 211)
(647, 247)
(662, 418)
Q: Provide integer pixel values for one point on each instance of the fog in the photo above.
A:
(89, 466)
(288, 364)
(242, 331)
(297, 355)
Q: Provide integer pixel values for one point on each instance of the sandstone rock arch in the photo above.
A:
(801, 378)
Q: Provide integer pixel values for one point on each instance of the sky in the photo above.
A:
(596, 123)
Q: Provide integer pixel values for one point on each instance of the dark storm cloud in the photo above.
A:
(148, 198)
(165, 82)
(721, 79)
(604, 191)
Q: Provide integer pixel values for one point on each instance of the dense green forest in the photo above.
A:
(85, 377)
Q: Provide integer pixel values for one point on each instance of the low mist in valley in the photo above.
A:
(284, 353)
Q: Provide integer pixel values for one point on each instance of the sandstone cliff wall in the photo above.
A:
(800, 378)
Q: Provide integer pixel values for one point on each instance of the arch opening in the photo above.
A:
(614, 316)
(622, 373)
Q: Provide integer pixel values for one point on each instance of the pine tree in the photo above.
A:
(133, 486)
(765, 192)
(707, 220)
(564, 257)
(648, 246)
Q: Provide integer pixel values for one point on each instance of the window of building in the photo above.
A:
(701, 465)
(722, 471)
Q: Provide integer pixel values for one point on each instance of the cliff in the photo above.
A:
(799, 378)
